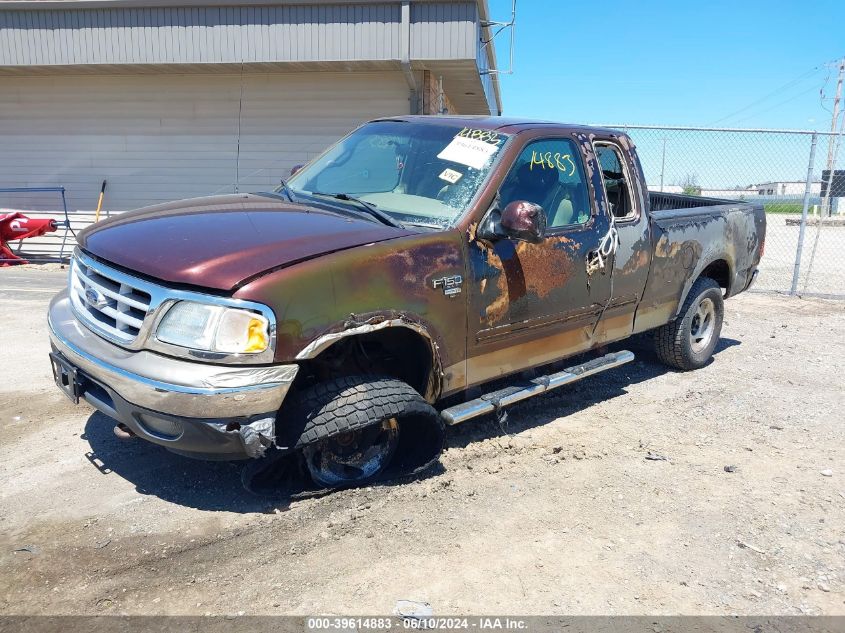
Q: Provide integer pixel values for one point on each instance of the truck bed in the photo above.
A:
(659, 201)
(691, 234)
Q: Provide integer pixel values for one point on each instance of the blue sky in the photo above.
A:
(678, 63)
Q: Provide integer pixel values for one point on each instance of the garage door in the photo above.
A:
(161, 137)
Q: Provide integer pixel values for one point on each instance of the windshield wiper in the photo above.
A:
(363, 205)
(283, 187)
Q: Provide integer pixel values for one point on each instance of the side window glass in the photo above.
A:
(616, 185)
(550, 173)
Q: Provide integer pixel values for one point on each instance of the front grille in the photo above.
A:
(114, 307)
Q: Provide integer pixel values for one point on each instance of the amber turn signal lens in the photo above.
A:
(256, 336)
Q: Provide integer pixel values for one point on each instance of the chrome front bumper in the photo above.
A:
(128, 385)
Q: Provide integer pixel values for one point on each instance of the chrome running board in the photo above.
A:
(491, 402)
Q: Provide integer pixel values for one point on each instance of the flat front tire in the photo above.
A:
(355, 429)
(688, 342)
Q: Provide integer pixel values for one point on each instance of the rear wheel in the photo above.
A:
(688, 341)
(356, 429)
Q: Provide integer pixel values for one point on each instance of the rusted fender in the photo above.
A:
(356, 291)
(688, 241)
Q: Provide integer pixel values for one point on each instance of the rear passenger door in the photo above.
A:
(531, 304)
(621, 179)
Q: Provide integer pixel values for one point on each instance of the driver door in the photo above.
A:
(532, 304)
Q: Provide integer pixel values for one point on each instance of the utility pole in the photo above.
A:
(831, 143)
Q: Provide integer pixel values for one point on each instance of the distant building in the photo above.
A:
(770, 189)
(730, 193)
(787, 188)
(773, 189)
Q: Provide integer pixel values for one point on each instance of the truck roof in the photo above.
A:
(508, 125)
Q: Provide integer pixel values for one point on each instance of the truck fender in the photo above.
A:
(703, 264)
(354, 327)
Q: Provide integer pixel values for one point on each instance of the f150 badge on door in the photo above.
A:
(451, 285)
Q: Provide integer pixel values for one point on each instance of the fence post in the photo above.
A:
(804, 210)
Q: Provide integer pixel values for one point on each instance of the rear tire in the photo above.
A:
(356, 429)
(688, 342)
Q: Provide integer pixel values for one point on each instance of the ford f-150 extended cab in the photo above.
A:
(420, 272)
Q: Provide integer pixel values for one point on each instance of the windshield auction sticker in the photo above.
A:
(451, 176)
(468, 151)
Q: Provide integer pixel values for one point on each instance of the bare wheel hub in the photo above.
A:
(703, 325)
(352, 457)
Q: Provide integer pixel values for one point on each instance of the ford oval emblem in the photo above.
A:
(95, 298)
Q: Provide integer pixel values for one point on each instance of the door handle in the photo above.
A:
(598, 258)
(594, 262)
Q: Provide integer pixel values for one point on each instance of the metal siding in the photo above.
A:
(162, 137)
(199, 35)
(482, 62)
(9, 37)
(26, 24)
(25, 50)
(443, 31)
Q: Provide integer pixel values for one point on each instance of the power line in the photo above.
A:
(821, 92)
(771, 94)
(777, 105)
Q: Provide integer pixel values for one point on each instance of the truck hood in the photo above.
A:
(220, 241)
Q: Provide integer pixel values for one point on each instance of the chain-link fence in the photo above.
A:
(770, 167)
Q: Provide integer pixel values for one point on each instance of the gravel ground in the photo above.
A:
(741, 510)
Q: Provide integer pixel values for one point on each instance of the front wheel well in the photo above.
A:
(396, 352)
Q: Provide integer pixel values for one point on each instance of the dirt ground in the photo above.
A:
(563, 515)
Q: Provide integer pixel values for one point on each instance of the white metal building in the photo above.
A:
(170, 99)
(790, 188)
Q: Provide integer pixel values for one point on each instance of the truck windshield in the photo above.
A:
(416, 173)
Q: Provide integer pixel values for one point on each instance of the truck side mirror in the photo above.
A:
(519, 220)
(523, 220)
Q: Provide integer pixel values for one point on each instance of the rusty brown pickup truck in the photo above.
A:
(421, 272)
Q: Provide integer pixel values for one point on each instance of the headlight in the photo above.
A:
(214, 328)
